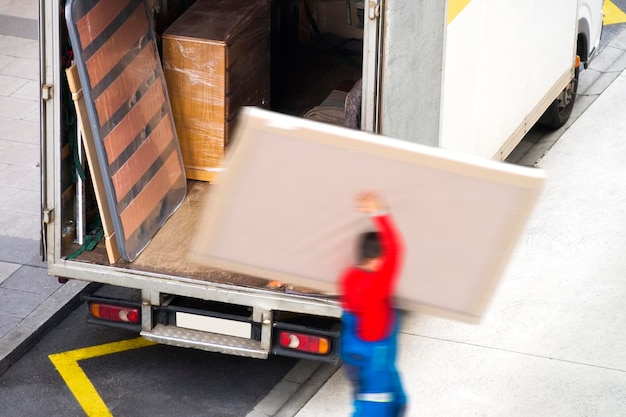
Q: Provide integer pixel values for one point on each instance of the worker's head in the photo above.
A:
(369, 251)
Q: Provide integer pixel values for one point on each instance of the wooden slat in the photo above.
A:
(112, 249)
(141, 207)
(134, 122)
(125, 86)
(116, 47)
(132, 171)
(97, 19)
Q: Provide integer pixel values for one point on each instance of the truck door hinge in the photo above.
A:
(47, 92)
(48, 216)
(373, 10)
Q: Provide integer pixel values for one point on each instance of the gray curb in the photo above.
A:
(288, 397)
(19, 27)
(30, 330)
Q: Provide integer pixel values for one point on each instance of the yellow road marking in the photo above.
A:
(85, 393)
(455, 7)
(612, 14)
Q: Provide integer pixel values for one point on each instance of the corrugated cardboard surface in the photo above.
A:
(284, 209)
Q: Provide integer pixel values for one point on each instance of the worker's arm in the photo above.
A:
(370, 203)
(391, 254)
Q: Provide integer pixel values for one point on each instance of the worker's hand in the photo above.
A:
(369, 202)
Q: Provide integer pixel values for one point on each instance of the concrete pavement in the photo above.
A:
(30, 301)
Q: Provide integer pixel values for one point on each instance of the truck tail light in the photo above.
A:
(304, 342)
(115, 313)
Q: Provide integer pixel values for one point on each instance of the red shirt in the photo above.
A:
(368, 294)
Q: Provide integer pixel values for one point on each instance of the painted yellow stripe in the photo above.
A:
(81, 387)
(85, 393)
(612, 14)
(455, 7)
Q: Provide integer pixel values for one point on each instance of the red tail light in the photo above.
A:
(304, 342)
(115, 313)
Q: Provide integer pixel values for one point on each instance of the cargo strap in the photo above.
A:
(91, 240)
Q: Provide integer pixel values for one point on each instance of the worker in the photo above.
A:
(370, 322)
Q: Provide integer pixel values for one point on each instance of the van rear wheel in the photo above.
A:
(559, 111)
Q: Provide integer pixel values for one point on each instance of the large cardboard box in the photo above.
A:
(215, 59)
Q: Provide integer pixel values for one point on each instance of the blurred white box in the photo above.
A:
(284, 210)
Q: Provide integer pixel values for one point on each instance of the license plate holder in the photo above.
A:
(214, 325)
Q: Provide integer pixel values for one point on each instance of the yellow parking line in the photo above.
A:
(67, 365)
(612, 14)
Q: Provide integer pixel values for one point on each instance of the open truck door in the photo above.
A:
(371, 65)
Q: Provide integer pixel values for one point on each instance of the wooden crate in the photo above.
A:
(216, 58)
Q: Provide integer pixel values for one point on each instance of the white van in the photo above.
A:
(468, 75)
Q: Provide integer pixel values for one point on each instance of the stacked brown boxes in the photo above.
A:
(216, 58)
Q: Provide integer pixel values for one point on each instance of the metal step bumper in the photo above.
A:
(177, 336)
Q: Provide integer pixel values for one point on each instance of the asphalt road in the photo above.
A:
(153, 380)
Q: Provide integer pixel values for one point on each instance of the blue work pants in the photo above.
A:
(371, 366)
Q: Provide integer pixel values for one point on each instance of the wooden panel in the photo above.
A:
(134, 123)
(130, 115)
(98, 18)
(116, 94)
(156, 190)
(247, 62)
(114, 49)
(205, 88)
(147, 154)
(285, 210)
(113, 252)
(196, 90)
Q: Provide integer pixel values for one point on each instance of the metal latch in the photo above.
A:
(48, 215)
(373, 9)
(47, 92)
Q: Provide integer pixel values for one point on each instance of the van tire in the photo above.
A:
(559, 111)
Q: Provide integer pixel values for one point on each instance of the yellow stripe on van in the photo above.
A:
(613, 14)
(455, 7)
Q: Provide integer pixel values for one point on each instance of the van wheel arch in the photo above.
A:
(559, 111)
(582, 47)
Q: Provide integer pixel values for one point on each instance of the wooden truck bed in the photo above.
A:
(166, 253)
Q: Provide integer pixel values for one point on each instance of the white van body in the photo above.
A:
(477, 83)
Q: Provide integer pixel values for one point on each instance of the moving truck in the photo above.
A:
(472, 76)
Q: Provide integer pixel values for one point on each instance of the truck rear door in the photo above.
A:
(48, 43)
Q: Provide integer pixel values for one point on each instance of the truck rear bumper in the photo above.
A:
(220, 327)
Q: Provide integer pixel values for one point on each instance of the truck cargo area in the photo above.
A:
(307, 67)
(291, 56)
